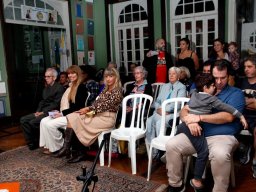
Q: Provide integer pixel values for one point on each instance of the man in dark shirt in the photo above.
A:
(52, 94)
(248, 85)
(157, 63)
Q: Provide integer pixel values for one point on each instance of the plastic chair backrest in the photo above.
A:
(178, 105)
(86, 101)
(140, 104)
(155, 89)
(125, 85)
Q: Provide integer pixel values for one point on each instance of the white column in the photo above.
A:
(232, 22)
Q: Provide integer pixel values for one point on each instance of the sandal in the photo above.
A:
(196, 189)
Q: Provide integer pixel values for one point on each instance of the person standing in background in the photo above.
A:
(157, 63)
(187, 58)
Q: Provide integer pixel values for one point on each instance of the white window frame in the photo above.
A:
(193, 17)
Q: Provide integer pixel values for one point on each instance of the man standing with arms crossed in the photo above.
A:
(219, 129)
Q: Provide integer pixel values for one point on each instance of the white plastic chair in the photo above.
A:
(125, 85)
(160, 141)
(86, 101)
(155, 89)
(100, 138)
(137, 129)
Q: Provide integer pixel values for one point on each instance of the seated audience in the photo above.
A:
(89, 122)
(72, 100)
(51, 97)
(64, 80)
(202, 102)
(169, 90)
(248, 85)
(91, 85)
(138, 87)
(185, 78)
(219, 130)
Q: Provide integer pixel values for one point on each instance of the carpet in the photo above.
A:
(38, 172)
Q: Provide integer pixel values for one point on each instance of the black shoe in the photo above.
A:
(33, 146)
(176, 189)
(77, 158)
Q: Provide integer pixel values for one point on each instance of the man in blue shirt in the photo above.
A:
(219, 130)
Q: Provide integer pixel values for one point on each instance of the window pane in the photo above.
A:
(199, 26)
(144, 15)
(121, 19)
(146, 44)
(188, 1)
(209, 6)
(30, 3)
(17, 12)
(177, 42)
(128, 33)
(137, 44)
(120, 35)
(211, 25)
(40, 4)
(199, 7)
(177, 28)
(8, 13)
(136, 32)
(121, 45)
(129, 45)
(188, 27)
(128, 17)
(135, 7)
(129, 55)
(179, 10)
(128, 9)
(145, 31)
(199, 39)
(137, 53)
(199, 51)
(17, 3)
(188, 8)
(211, 37)
(136, 16)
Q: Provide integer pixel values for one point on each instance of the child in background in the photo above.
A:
(234, 56)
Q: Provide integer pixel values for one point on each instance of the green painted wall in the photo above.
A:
(100, 38)
(157, 19)
(4, 74)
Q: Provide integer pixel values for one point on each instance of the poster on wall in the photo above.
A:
(91, 58)
(38, 14)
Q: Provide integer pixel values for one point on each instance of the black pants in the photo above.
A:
(30, 125)
(200, 144)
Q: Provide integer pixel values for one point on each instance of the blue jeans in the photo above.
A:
(201, 147)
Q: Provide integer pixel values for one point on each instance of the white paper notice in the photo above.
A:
(2, 88)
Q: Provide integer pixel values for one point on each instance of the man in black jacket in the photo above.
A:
(157, 63)
(52, 94)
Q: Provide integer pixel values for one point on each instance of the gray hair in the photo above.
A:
(176, 69)
(185, 69)
(53, 72)
(142, 70)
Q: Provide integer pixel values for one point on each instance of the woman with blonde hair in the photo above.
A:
(72, 100)
(89, 122)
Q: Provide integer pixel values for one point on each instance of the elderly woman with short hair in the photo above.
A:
(140, 86)
(173, 89)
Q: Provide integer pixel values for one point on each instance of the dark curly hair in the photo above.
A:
(203, 79)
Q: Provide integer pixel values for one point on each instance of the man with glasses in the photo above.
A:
(219, 130)
(51, 97)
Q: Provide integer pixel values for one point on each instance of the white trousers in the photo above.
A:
(50, 137)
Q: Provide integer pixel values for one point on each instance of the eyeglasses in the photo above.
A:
(47, 76)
